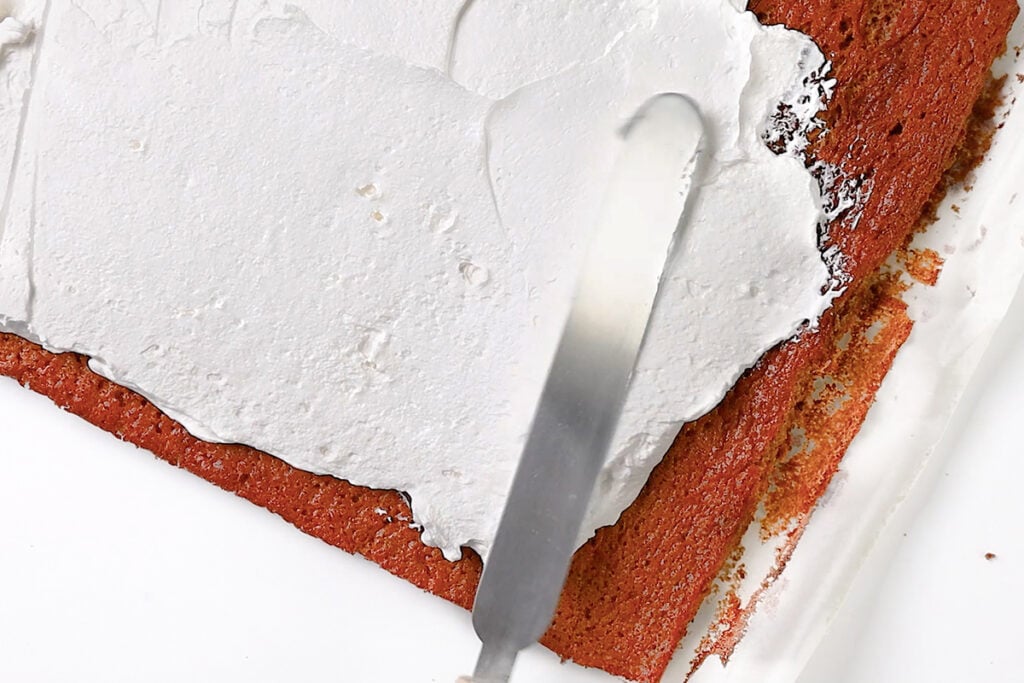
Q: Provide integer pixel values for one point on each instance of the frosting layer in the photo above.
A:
(317, 230)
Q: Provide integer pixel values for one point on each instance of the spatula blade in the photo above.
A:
(582, 399)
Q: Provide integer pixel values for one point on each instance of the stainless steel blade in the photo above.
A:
(582, 399)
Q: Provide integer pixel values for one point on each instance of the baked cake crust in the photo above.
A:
(909, 73)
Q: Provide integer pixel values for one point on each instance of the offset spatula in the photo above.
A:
(582, 400)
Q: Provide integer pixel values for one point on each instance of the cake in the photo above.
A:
(897, 123)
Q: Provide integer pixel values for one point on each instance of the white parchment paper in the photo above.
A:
(983, 246)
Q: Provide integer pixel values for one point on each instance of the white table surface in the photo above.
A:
(117, 567)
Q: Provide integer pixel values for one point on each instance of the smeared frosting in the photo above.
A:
(347, 235)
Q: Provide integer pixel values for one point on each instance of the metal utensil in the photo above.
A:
(582, 399)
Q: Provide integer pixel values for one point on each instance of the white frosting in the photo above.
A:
(13, 32)
(289, 227)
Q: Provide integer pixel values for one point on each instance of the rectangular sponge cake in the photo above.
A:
(909, 75)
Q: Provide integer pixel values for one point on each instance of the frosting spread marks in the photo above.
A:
(349, 237)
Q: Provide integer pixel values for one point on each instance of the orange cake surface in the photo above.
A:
(909, 74)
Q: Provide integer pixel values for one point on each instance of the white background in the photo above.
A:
(117, 567)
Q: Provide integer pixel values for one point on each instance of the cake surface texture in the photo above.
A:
(908, 75)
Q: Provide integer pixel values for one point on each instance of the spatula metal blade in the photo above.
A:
(582, 399)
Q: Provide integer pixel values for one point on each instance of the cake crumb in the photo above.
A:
(990, 556)
(924, 265)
